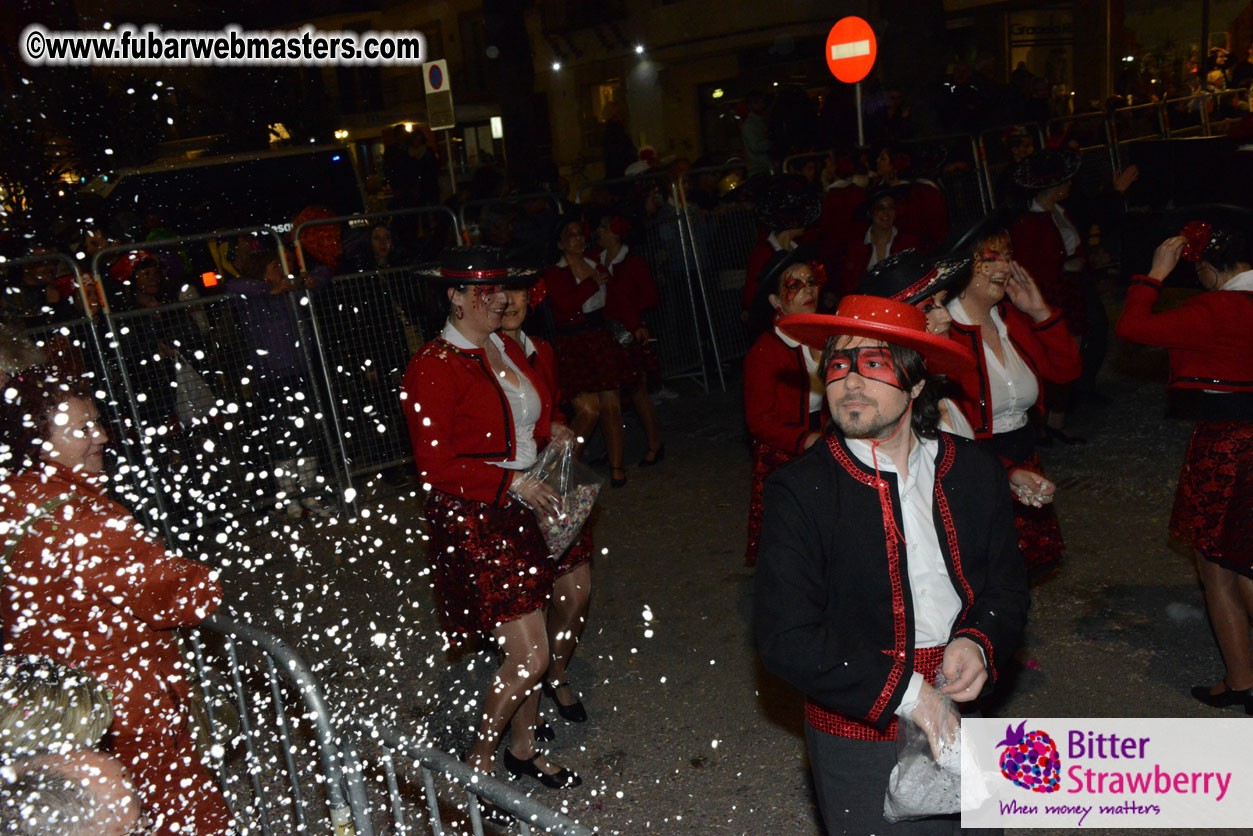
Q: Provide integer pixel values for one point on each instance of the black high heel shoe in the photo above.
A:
(1225, 698)
(544, 732)
(575, 713)
(560, 780)
(614, 481)
(657, 456)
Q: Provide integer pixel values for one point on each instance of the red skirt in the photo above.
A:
(1215, 494)
(489, 563)
(593, 361)
(580, 552)
(1039, 538)
(766, 460)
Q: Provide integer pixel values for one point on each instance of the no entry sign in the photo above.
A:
(851, 49)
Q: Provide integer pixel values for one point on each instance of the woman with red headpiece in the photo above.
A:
(783, 394)
(631, 292)
(1210, 339)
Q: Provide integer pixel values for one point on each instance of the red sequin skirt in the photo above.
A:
(580, 552)
(489, 563)
(766, 460)
(593, 361)
(1215, 494)
(927, 661)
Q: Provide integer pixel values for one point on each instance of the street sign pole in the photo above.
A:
(850, 53)
(861, 135)
(452, 174)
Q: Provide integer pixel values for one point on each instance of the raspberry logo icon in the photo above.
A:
(1030, 759)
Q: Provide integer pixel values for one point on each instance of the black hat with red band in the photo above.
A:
(478, 266)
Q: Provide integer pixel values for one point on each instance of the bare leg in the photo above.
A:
(648, 416)
(567, 617)
(586, 413)
(524, 643)
(611, 425)
(1229, 616)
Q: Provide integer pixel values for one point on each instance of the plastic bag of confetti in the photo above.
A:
(920, 786)
(576, 484)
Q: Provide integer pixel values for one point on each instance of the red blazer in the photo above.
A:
(923, 213)
(1210, 336)
(544, 361)
(87, 587)
(836, 224)
(631, 292)
(1038, 247)
(858, 254)
(566, 296)
(1047, 347)
(460, 421)
(776, 394)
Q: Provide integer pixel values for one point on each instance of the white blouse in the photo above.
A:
(524, 401)
(1012, 385)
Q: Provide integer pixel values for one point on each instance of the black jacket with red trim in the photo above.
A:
(833, 608)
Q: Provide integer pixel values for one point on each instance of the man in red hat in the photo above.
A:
(888, 556)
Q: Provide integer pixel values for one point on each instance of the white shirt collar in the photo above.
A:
(1240, 281)
(618, 259)
(788, 341)
(456, 339)
(928, 447)
(774, 242)
(866, 240)
(563, 263)
(959, 315)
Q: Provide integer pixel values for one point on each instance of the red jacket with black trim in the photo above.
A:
(857, 258)
(1039, 248)
(776, 394)
(1047, 347)
(544, 361)
(1210, 336)
(460, 421)
(833, 610)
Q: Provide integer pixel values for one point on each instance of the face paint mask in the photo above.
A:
(873, 362)
(793, 286)
(483, 291)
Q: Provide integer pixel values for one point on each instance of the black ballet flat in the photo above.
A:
(614, 481)
(575, 713)
(1226, 698)
(657, 456)
(518, 768)
(545, 732)
(497, 816)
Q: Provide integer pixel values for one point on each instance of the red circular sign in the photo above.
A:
(436, 75)
(851, 49)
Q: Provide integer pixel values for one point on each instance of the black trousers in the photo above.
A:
(850, 780)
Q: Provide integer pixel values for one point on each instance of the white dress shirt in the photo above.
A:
(936, 603)
(874, 254)
(1011, 385)
(524, 401)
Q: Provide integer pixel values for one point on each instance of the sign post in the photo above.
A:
(851, 50)
(439, 109)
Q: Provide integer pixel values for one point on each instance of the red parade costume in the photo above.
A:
(836, 226)
(1039, 248)
(776, 407)
(1210, 339)
(85, 586)
(589, 359)
(857, 258)
(487, 554)
(1052, 355)
(632, 291)
(923, 213)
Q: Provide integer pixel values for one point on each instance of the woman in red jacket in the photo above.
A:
(1210, 339)
(592, 366)
(567, 614)
(631, 292)
(84, 585)
(477, 414)
(783, 394)
(882, 237)
(1019, 343)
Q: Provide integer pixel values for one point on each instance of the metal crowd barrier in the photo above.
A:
(283, 740)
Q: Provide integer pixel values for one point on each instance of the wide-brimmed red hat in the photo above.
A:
(881, 319)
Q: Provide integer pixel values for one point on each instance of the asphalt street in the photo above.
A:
(688, 735)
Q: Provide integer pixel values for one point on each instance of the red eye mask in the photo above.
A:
(873, 362)
(482, 291)
(793, 285)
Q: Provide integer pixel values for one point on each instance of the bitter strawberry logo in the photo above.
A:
(1030, 759)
